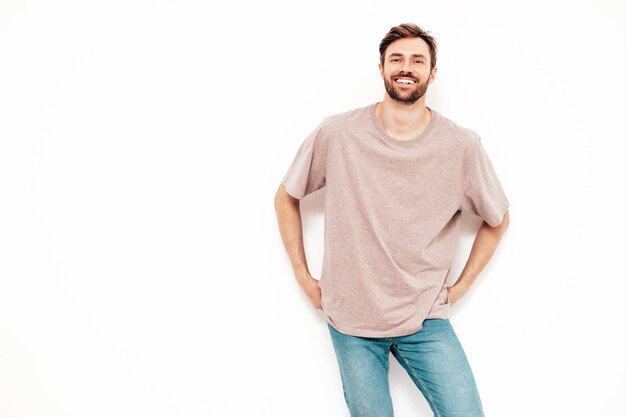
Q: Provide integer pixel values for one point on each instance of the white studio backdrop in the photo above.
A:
(141, 144)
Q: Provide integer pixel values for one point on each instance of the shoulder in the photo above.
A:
(463, 136)
(346, 118)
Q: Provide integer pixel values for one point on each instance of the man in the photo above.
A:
(397, 175)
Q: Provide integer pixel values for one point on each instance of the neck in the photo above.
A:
(402, 120)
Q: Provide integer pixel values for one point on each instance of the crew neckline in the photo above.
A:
(406, 143)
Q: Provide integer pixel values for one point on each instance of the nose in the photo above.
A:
(406, 68)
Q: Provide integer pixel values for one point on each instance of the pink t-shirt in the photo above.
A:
(392, 214)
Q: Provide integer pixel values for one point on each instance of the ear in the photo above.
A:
(382, 70)
(433, 73)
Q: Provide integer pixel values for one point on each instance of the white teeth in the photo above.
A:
(405, 81)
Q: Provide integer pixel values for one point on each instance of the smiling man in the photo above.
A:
(397, 174)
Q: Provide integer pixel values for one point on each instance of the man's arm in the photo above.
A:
(484, 246)
(290, 226)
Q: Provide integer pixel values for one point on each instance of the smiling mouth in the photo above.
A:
(403, 81)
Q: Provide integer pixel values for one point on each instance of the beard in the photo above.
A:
(408, 95)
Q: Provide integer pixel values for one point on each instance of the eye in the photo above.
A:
(394, 59)
(418, 61)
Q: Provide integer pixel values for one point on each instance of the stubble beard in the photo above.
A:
(410, 96)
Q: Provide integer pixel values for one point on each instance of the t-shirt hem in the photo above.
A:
(377, 334)
(292, 193)
(503, 209)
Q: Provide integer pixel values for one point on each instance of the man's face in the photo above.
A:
(407, 59)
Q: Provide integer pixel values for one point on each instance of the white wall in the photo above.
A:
(141, 143)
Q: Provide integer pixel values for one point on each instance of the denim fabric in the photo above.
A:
(433, 357)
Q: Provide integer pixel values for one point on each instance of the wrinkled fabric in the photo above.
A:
(433, 357)
(392, 213)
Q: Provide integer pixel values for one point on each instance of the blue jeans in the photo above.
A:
(433, 358)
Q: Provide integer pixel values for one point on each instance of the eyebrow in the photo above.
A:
(415, 55)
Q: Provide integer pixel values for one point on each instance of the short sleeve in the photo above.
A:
(483, 192)
(307, 172)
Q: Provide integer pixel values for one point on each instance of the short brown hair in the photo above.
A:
(409, 30)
